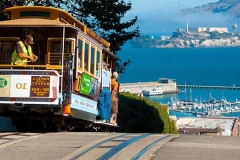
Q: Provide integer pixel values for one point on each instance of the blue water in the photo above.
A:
(191, 66)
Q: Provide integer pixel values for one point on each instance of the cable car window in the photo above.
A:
(55, 51)
(92, 60)
(86, 57)
(56, 46)
(80, 46)
(98, 60)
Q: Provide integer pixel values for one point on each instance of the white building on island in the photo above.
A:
(207, 29)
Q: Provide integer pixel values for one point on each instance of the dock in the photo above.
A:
(168, 85)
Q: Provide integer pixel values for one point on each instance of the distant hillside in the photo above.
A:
(222, 6)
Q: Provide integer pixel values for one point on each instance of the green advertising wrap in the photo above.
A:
(88, 85)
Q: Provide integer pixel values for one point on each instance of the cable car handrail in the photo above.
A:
(32, 66)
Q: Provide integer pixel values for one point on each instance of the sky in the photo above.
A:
(151, 5)
(162, 17)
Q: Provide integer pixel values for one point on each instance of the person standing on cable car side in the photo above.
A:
(104, 100)
(114, 95)
(23, 51)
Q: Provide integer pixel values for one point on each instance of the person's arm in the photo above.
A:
(21, 55)
(110, 83)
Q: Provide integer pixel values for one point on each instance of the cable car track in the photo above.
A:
(81, 145)
(124, 141)
(8, 138)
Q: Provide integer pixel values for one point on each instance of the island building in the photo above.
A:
(199, 32)
(164, 37)
(167, 85)
(208, 126)
(207, 29)
(192, 32)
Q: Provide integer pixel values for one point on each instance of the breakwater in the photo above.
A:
(209, 87)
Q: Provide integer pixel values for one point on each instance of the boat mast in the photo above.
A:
(190, 94)
(185, 91)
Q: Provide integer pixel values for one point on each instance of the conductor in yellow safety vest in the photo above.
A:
(23, 52)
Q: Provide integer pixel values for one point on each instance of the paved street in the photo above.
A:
(116, 146)
(188, 147)
(81, 145)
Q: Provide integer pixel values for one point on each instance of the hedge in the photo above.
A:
(141, 115)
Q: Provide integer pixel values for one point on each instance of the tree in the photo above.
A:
(4, 4)
(10, 3)
(105, 17)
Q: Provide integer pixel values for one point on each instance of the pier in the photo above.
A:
(168, 86)
(209, 87)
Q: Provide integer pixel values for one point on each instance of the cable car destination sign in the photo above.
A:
(29, 87)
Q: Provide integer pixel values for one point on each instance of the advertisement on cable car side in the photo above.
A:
(29, 87)
(88, 85)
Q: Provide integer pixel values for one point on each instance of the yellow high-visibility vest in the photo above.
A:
(15, 60)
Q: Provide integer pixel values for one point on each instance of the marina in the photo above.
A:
(205, 108)
(211, 107)
(201, 103)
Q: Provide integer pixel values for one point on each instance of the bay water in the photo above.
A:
(190, 66)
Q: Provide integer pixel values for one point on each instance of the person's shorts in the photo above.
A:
(114, 107)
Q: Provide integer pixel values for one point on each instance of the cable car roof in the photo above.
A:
(33, 22)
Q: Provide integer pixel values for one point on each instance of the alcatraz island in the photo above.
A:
(191, 37)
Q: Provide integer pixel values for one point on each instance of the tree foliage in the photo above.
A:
(10, 3)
